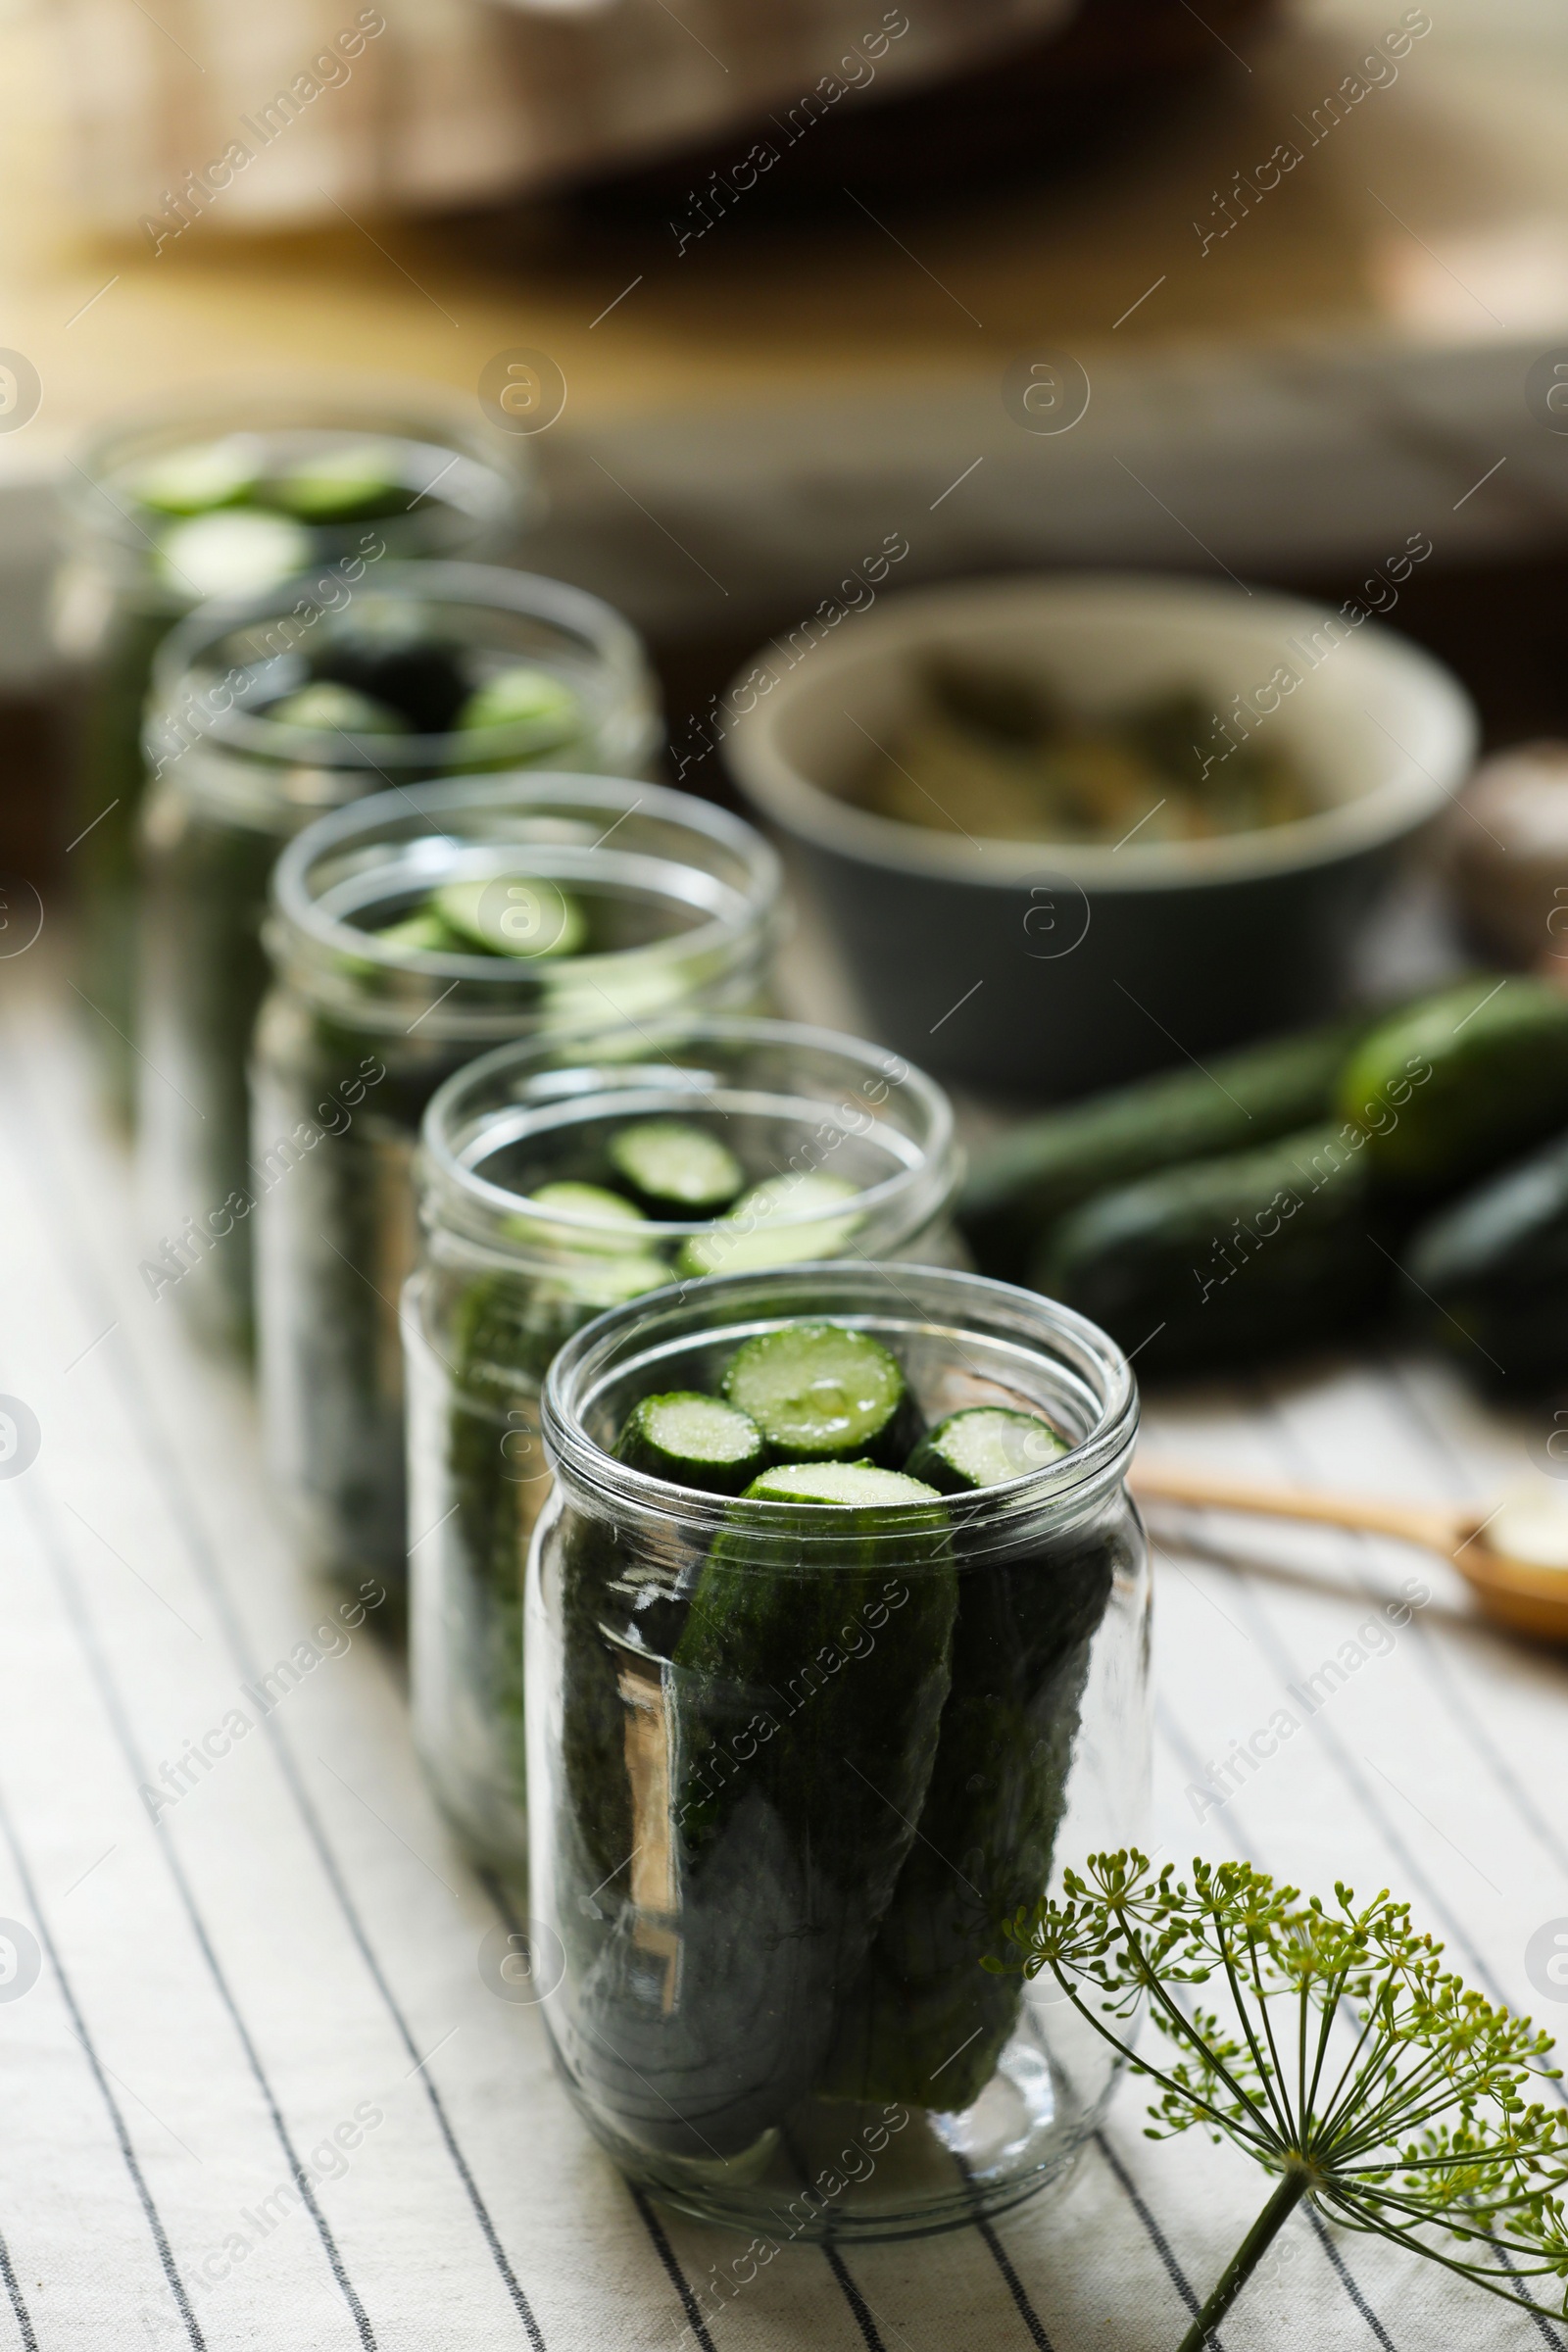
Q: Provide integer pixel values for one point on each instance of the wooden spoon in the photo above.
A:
(1514, 1557)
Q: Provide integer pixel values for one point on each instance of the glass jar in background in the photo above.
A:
(835, 1149)
(790, 1766)
(234, 776)
(227, 494)
(662, 901)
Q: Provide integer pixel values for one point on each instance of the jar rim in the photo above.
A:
(610, 637)
(298, 918)
(442, 1149)
(325, 400)
(1061, 1491)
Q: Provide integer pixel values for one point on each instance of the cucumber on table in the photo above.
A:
(1227, 1259)
(1460, 1083)
(1032, 1177)
(1489, 1276)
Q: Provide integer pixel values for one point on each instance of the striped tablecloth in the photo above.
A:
(256, 2089)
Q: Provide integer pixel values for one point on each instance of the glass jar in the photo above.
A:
(232, 785)
(790, 1767)
(680, 903)
(134, 565)
(504, 1281)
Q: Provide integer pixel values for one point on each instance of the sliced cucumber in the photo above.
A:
(524, 696)
(753, 1235)
(985, 1445)
(329, 709)
(616, 1226)
(513, 916)
(819, 1392)
(675, 1166)
(860, 1485)
(198, 478)
(425, 933)
(343, 485)
(694, 1440)
(233, 553)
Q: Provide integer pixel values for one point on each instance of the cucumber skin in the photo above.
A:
(1499, 1082)
(791, 1807)
(928, 2023)
(1165, 1251)
(1036, 1175)
(1495, 1268)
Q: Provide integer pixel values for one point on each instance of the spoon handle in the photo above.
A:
(1428, 1525)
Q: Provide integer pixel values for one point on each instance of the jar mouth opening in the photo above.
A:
(498, 482)
(591, 638)
(1034, 1344)
(460, 1138)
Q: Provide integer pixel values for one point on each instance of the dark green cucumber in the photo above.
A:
(859, 1484)
(618, 1226)
(821, 1392)
(1460, 1084)
(196, 479)
(675, 1169)
(1227, 1259)
(766, 1781)
(524, 696)
(927, 2024)
(353, 483)
(1488, 1277)
(1019, 1187)
(984, 1446)
(693, 1440)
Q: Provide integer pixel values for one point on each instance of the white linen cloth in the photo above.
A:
(284, 1966)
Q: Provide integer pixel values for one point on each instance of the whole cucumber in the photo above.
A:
(1460, 1084)
(1488, 1277)
(1225, 1259)
(1038, 1172)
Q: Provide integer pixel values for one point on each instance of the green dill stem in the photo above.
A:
(1275, 2214)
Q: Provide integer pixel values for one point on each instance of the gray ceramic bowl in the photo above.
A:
(1050, 970)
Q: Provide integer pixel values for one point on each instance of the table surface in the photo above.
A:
(294, 1945)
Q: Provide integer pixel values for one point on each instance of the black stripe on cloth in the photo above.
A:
(1156, 2236)
(854, 2299)
(665, 2252)
(86, 1633)
(999, 2255)
(167, 1473)
(18, 2307)
(1346, 2282)
(166, 2257)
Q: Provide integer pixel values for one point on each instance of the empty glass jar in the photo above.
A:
(671, 901)
(790, 1767)
(235, 776)
(837, 1150)
(224, 494)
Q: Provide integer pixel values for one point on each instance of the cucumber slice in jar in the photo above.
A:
(382, 646)
(858, 1484)
(821, 1392)
(524, 696)
(616, 1225)
(675, 1166)
(985, 1445)
(329, 709)
(512, 915)
(752, 1232)
(694, 1441)
(343, 485)
(198, 479)
(232, 553)
(425, 933)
